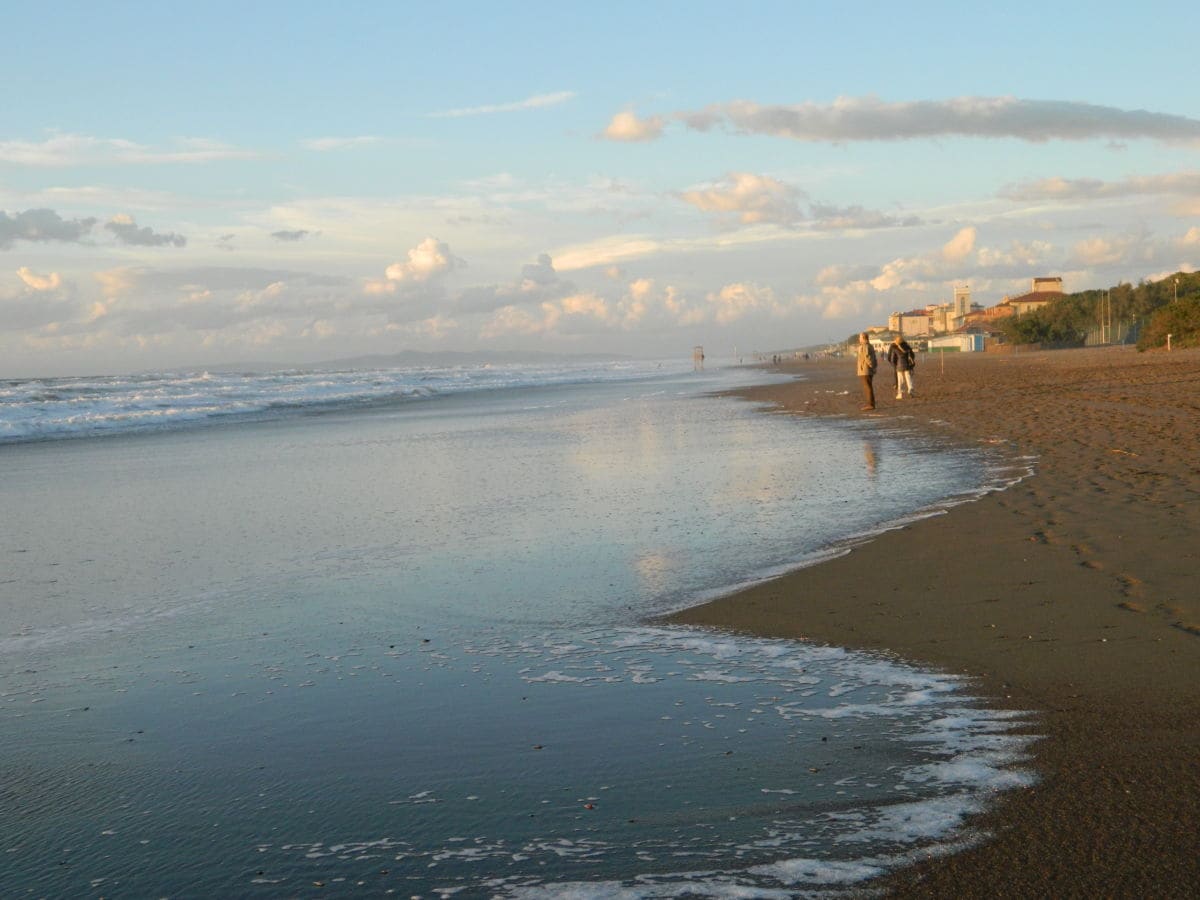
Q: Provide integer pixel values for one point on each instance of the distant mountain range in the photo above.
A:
(406, 358)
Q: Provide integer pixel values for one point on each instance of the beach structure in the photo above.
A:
(962, 342)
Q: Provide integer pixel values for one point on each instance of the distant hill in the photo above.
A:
(408, 358)
(459, 358)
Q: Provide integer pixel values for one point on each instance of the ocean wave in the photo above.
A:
(57, 408)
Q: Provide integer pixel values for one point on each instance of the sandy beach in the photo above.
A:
(1073, 594)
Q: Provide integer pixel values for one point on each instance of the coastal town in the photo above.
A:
(963, 324)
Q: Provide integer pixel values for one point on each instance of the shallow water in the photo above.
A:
(398, 648)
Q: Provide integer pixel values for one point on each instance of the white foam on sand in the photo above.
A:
(963, 756)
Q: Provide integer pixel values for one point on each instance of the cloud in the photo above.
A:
(871, 119)
(1191, 238)
(537, 101)
(298, 235)
(838, 301)
(76, 150)
(607, 252)
(960, 246)
(734, 301)
(857, 217)
(1101, 251)
(625, 126)
(512, 319)
(836, 275)
(36, 282)
(540, 273)
(117, 282)
(1185, 183)
(41, 225)
(539, 282)
(752, 199)
(127, 232)
(1018, 258)
(326, 144)
(427, 261)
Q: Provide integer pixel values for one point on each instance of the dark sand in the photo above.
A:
(1075, 593)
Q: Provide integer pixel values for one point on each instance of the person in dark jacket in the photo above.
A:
(900, 355)
(865, 368)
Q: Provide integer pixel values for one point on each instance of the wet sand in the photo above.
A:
(1075, 593)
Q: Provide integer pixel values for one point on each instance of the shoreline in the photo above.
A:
(1071, 594)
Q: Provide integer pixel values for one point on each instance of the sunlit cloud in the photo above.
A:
(36, 282)
(960, 246)
(538, 101)
(626, 126)
(735, 301)
(1186, 183)
(429, 260)
(1105, 251)
(751, 199)
(116, 282)
(869, 118)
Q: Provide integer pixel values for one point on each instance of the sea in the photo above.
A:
(396, 632)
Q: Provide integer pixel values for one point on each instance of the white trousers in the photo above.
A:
(903, 377)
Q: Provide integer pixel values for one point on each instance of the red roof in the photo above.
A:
(1037, 297)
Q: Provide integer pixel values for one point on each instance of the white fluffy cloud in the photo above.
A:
(735, 301)
(428, 261)
(1103, 251)
(960, 246)
(751, 199)
(626, 126)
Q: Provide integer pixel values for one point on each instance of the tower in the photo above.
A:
(962, 300)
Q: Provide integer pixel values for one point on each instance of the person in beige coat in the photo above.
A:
(866, 366)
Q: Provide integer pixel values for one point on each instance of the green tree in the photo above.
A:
(1181, 320)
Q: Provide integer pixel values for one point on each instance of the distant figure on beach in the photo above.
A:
(866, 365)
(903, 361)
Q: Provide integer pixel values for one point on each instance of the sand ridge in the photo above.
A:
(1075, 593)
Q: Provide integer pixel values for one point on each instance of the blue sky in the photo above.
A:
(187, 185)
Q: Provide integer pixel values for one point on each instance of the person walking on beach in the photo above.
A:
(903, 361)
(866, 366)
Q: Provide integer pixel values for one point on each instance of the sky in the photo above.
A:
(190, 185)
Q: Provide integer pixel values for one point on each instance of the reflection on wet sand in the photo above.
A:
(871, 458)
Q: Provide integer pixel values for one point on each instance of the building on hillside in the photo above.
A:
(1041, 292)
(914, 323)
(941, 317)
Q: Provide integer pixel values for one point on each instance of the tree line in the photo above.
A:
(1150, 310)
